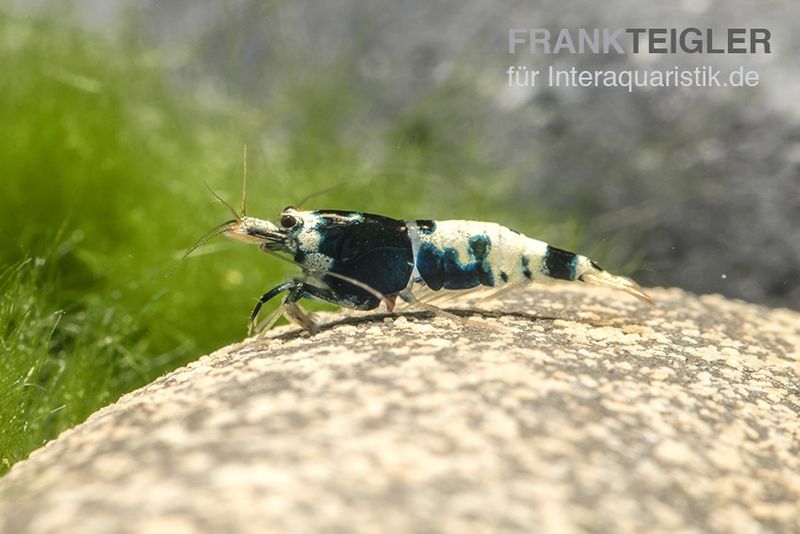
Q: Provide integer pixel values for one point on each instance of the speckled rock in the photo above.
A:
(570, 410)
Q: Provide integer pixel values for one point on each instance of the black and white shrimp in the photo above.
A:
(359, 260)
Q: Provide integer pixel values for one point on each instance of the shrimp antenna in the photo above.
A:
(214, 232)
(320, 193)
(244, 180)
(230, 208)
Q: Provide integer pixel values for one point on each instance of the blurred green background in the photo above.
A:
(111, 131)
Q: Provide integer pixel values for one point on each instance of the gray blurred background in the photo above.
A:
(689, 187)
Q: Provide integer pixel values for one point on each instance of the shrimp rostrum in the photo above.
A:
(359, 260)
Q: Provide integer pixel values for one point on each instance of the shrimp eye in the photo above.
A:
(287, 221)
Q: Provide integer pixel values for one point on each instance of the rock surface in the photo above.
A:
(585, 410)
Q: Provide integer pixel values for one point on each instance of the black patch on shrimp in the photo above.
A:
(593, 264)
(479, 247)
(443, 268)
(426, 226)
(560, 263)
(504, 276)
(371, 249)
(526, 270)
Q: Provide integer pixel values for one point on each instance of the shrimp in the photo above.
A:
(359, 260)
